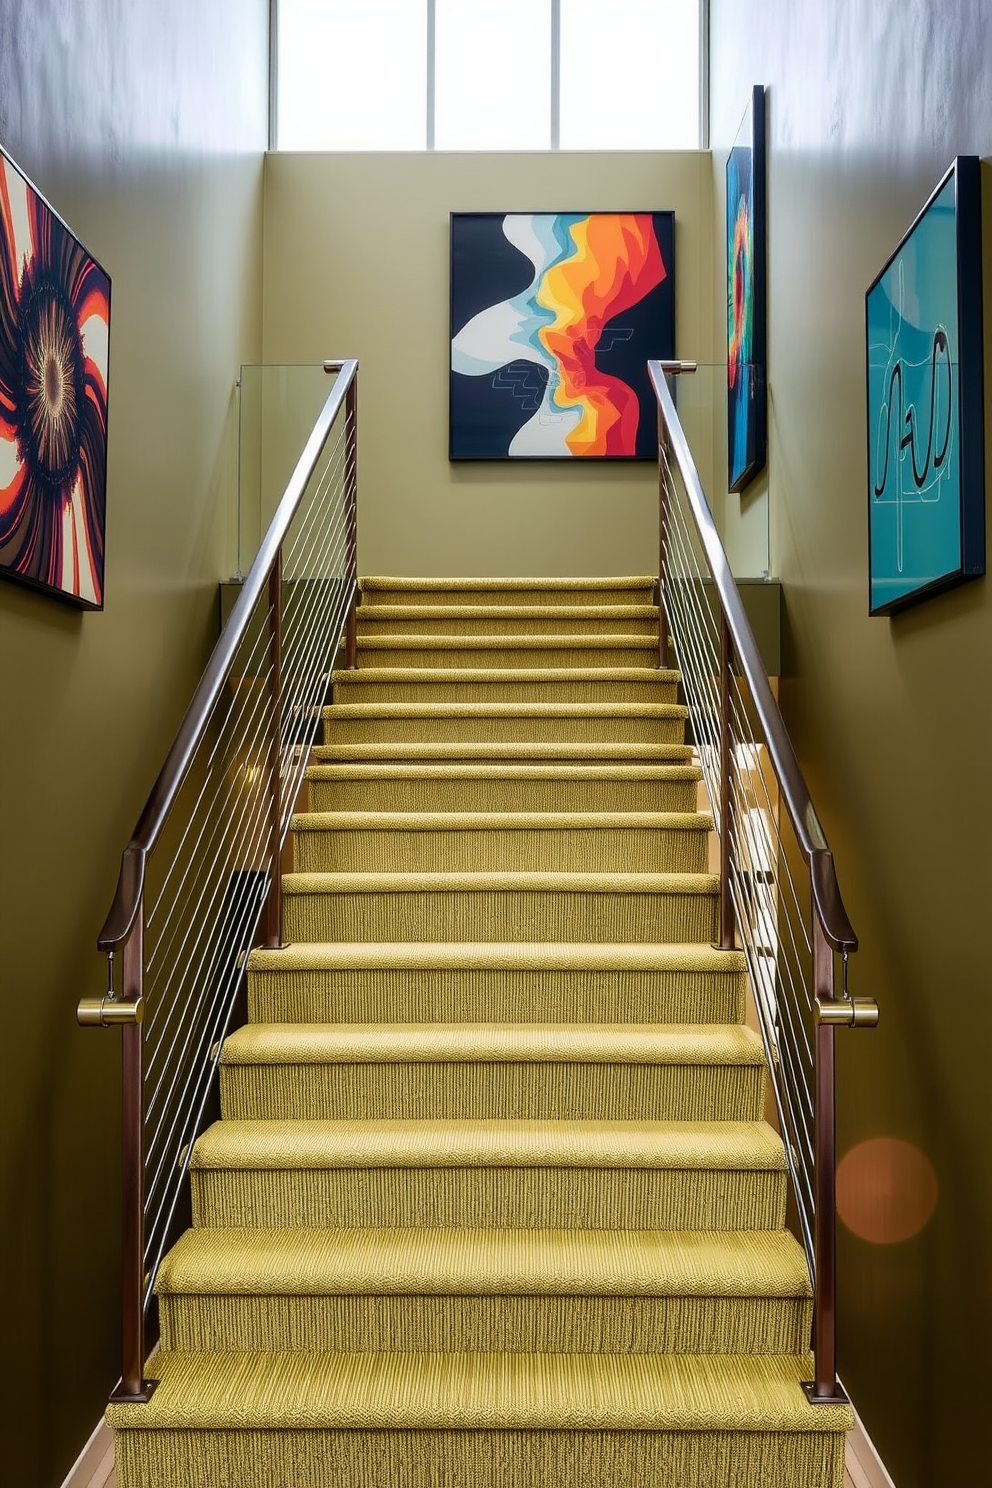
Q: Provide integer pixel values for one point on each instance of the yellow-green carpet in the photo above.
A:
(491, 1203)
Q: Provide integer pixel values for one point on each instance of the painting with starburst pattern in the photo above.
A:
(747, 408)
(54, 363)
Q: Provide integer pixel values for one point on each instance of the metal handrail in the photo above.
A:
(831, 928)
(323, 623)
(162, 797)
(809, 832)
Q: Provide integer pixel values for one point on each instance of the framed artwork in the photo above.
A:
(747, 401)
(554, 316)
(54, 363)
(926, 457)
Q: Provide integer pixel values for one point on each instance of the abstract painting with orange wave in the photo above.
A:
(54, 351)
(553, 319)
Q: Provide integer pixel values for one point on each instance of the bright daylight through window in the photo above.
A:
(487, 74)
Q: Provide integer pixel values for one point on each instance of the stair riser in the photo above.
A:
(508, 1324)
(490, 1459)
(508, 625)
(488, 793)
(512, 598)
(409, 995)
(538, 1092)
(547, 850)
(512, 729)
(366, 687)
(504, 653)
(511, 915)
(490, 1198)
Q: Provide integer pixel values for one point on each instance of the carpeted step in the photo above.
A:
(513, 592)
(626, 684)
(604, 908)
(645, 1175)
(543, 842)
(433, 652)
(470, 983)
(362, 721)
(482, 1291)
(502, 788)
(507, 620)
(497, 752)
(588, 1072)
(502, 1420)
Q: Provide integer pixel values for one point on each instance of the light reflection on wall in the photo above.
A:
(886, 1190)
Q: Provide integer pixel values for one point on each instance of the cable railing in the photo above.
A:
(779, 899)
(200, 879)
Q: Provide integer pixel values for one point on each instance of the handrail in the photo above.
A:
(789, 959)
(810, 834)
(231, 777)
(127, 897)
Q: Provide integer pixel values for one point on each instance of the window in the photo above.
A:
(488, 74)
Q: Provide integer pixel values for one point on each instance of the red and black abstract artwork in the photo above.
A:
(54, 356)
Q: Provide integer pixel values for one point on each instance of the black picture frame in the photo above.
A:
(553, 318)
(926, 401)
(746, 252)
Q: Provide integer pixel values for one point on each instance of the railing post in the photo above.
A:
(133, 1386)
(351, 437)
(663, 449)
(728, 923)
(273, 908)
(824, 1388)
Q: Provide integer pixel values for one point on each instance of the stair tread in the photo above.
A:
(650, 1392)
(752, 1146)
(558, 883)
(510, 955)
(351, 711)
(487, 583)
(505, 821)
(403, 641)
(501, 751)
(557, 771)
(459, 1262)
(471, 676)
(325, 1043)
(394, 612)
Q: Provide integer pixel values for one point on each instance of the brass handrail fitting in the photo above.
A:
(846, 1012)
(109, 1012)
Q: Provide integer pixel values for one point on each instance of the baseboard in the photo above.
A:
(95, 1463)
(864, 1466)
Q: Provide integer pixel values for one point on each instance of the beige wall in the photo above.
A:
(144, 125)
(867, 105)
(356, 264)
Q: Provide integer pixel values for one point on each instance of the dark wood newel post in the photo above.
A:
(825, 1386)
(273, 909)
(728, 924)
(351, 497)
(663, 450)
(133, 1386)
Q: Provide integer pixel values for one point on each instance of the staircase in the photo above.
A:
(492, 1203)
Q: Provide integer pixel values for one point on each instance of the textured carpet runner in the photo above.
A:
(491, 1203)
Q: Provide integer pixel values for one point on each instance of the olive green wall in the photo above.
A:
(144, 124)
(868, 101)
(356, 264)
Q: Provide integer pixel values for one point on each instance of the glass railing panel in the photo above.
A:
(742, 517)
(277, 410)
